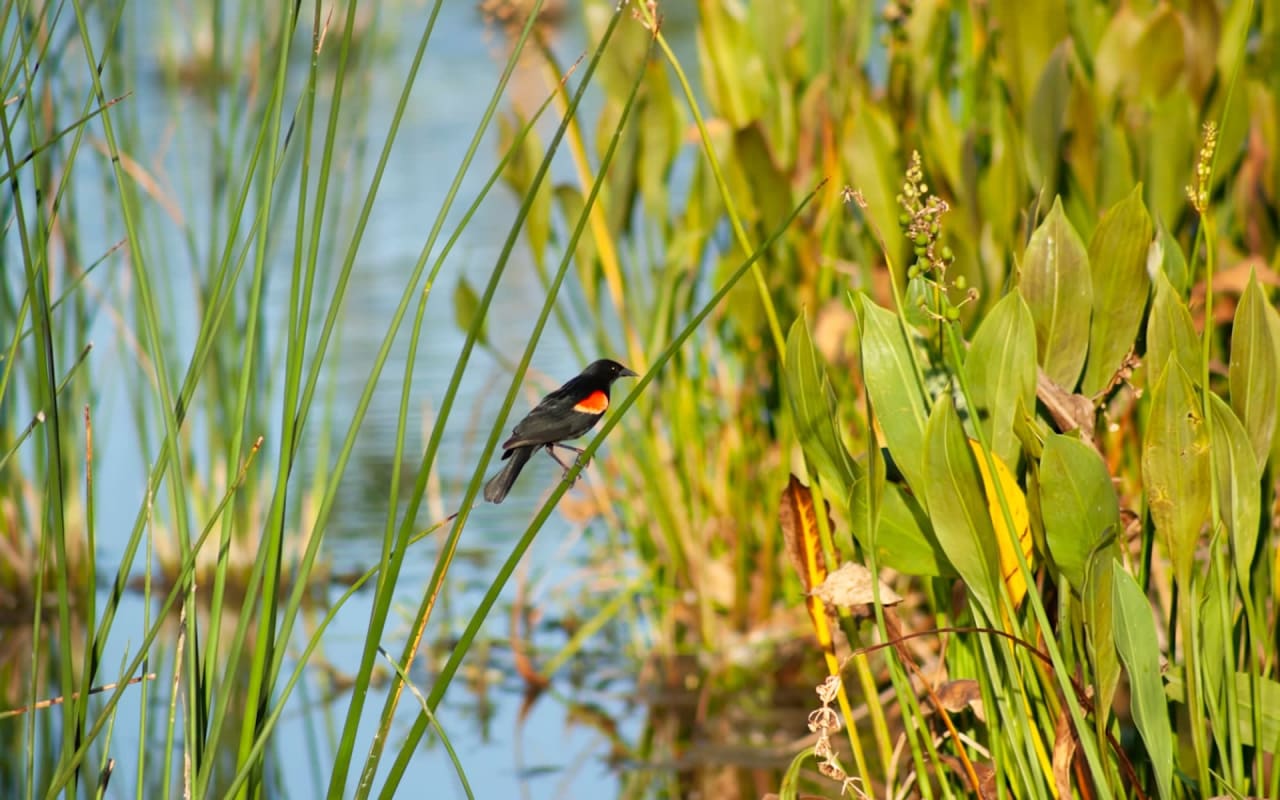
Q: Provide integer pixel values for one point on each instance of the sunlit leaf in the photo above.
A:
(1160, 52)
(1170, 332)
(1031, 29)
(1172, 138)
(903, 539)
(1252, 372)
(869, 150)
(1099, 617)
(1172, 261)
(1078, 504)
(733, 73)
(1118, 263)
(1045, 120)
(1203, 31)
(798, 518)
(1214, 642)
(572, 205)
(519, 174)
(1238, 479)
(1115, 65)
(1057, 286)
(1115, 166)
(958, 507)
(1139, 649)
(813, 405)
(1175, 465)
(1008, 542)
(1273, 325)
(896, 396)
(1002, 369)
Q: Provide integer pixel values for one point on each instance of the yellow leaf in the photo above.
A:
(1013, 494)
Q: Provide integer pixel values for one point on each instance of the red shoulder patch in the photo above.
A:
(595, 403)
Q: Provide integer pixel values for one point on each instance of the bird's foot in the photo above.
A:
(551, 449)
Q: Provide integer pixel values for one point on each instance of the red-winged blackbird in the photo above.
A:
(566, 413)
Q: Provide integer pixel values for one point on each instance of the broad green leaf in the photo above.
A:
(1160, 52)
(1204, 33)
(1001, 185)
(1273, 325)
(1173, 134)
(958, 507)
(662, 125)
(1252, 374)
(1045, 121)
(869, 149)
(1116, 176)
(1267, 704)
(947, 145)
(1078, 505)
(1030, 430)
(1139, 649)
(1239, 483)
(1115, 69)
(1175, 466)
(896, 396)
(813, 405)
(1058, 289)
(733, 71)
(770, 185)
(1170, 332)
(1031, 29)
(1100, 627)
(1172, 261)
(519, 174)
(573, 205)
(1216, 659)
(903, 539)
(1118, 264)
(1002, 369)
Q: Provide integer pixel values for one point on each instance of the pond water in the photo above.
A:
(545, 754)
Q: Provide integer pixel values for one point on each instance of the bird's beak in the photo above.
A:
(626, 373)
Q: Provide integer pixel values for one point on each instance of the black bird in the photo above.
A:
(566, 413)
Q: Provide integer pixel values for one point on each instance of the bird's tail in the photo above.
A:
(495, 491)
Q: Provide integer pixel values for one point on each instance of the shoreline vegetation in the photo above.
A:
(949, 469)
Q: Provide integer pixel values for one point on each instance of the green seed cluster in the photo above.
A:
(921, 223)
(1198, 192)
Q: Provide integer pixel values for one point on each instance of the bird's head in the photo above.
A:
(608, 370)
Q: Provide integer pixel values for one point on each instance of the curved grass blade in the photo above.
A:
(1140, 651)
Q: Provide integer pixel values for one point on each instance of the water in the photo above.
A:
(545, 754)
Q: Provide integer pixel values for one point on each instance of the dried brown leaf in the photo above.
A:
(799, 521)
(850, 585)
(958, 695)
(1064, 751)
